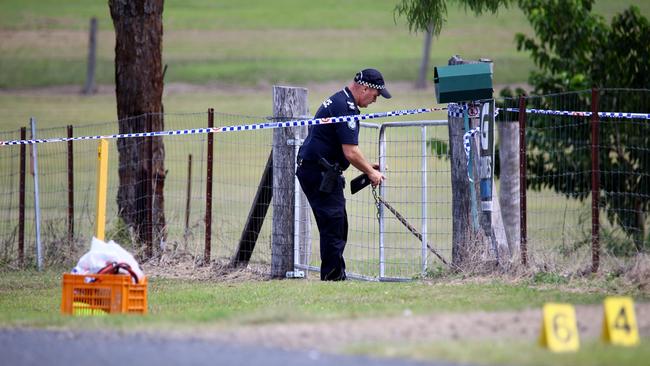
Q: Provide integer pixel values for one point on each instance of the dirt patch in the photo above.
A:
(185, 266)
(335, 335)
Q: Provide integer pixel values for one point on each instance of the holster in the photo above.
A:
(330, 176)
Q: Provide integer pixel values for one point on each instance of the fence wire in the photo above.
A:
(558, 192)
(559, 178)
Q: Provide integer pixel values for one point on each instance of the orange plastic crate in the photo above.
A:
(94, 294)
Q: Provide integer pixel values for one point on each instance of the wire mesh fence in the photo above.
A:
(558, 223)
(237, 162)
(566, 162)
(418, 187)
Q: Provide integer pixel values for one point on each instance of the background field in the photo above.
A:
(236, 50)
(227, 55)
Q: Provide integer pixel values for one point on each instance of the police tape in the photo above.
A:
(456, 111)
(584, 114)
(468, 148)
(235, 128)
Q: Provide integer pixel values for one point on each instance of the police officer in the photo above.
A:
(330, 149)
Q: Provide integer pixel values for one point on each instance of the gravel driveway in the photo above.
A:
(27, 347)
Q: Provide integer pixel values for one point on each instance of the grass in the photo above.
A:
(60, 109)
(32, 298)
(247, 42)
(500, 352)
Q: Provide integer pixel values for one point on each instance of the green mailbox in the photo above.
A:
(463, 83)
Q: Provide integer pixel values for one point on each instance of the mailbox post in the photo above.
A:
(467, 86)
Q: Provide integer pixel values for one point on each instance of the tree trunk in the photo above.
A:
(426, 55)
(138, 88)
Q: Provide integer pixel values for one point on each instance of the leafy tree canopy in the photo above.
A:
(576, 49)
(422, 14)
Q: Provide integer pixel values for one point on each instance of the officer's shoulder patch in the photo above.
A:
(352, 124)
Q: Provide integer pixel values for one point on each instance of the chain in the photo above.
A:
(377, 202)
(380, 201)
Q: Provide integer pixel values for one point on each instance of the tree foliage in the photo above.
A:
(422, 14)
(575, 49)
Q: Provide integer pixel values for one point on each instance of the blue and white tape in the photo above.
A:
(455, 110)
(467, 144)
(320, 121)
(250, 127)
(583, 114)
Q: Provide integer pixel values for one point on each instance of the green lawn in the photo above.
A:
(248, 42)
(60, 109)
(510, 352)
(31, 299)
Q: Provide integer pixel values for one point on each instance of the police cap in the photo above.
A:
(372, 78)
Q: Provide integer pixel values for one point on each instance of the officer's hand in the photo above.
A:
(376, 178)
(376, 167)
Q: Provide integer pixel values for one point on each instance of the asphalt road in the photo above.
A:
(26, 347)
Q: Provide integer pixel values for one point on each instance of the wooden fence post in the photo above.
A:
(461, 224)
(208, 192)
(89, 87)
(509, 183)
(70, 189)
(523, 245)
(595, 183)
(188, 198)
(288, 102)
(21, 199)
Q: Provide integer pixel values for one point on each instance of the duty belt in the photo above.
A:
(313, 164)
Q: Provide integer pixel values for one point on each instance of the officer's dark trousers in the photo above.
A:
(332, 221)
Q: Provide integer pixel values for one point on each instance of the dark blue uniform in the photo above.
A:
(324, 141)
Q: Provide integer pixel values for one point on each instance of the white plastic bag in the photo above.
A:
(101, 254)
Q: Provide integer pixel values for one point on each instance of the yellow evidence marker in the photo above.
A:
(559, 328)
(619, 323)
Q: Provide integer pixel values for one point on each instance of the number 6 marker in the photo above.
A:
(559, 328)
